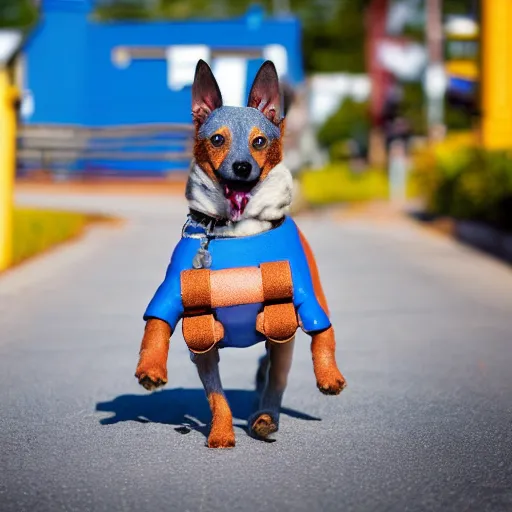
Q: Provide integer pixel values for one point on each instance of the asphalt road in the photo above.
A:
(424, 329)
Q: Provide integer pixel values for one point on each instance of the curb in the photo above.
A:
(477, 235)
(485, 237)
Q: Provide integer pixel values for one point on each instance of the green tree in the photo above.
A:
(17, 13)
(350, 121)
(333, 30)
(334, 37)
(460, 6)
(123, 10)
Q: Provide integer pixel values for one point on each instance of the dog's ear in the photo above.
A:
(265, 94)
(206, 95)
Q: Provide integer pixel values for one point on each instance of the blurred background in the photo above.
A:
(399, 137)
(403, 101)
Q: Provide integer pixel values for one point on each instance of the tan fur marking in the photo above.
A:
(207, 156)
(202, 157)
(268, 157)
(152, 368)
(323, 345)
(328, 377)
(274, 153)
(260, 155)
(221, 433)
(274, 156)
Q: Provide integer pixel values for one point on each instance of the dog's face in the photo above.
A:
(237, 146)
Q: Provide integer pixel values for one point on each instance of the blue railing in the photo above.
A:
(72, 152)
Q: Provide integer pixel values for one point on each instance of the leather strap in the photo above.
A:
(279, 318)
(202, 332)
(196, 293)
(203, 290)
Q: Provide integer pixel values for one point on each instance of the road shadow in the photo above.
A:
(186, 408)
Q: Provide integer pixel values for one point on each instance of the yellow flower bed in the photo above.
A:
(336, 183)
(37, 230)
(449, 153)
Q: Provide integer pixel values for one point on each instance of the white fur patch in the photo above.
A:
(204, 194)
(270, 200)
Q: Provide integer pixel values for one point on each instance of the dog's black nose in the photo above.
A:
(242, 169)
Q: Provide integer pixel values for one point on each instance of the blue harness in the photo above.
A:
(282, 243)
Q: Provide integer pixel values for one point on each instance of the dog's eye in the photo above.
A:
(259, 143)
(217, 140)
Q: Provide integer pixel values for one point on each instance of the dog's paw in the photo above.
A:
(221, 439)
(151, 378)
(262, 425)
(332, 383)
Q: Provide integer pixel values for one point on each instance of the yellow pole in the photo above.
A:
(496, 128)
(7, 166)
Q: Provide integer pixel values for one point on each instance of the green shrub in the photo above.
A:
(350, 121)
(37, 230)
(482, 190)
(412, 107)
(467, 182)
(457, 117)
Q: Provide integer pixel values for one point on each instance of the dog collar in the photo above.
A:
(205, 220)
(209, 223)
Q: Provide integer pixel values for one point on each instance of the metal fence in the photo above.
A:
(65, 152)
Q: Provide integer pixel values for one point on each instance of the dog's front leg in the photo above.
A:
(152, 368)
(266, 420)
(329, 379)
(222, 434)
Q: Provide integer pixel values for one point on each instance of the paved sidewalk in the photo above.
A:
(424, 330)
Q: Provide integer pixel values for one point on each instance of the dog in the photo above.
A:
(242, 272)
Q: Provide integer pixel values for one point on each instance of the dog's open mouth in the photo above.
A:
(238, 194)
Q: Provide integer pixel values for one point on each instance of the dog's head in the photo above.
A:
(237, 147)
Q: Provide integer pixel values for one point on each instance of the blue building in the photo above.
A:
(120, 92)
(80, 71)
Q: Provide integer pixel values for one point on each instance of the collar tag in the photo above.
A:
(203, 258)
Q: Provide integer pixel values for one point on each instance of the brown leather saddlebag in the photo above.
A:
(203, 290)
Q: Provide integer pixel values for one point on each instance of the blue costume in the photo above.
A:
(277, 244)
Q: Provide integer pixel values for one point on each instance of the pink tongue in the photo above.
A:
(237, 202)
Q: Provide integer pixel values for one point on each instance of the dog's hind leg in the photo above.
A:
(222, 434)
(266, 420)
(329, 379)
(262, 372)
